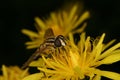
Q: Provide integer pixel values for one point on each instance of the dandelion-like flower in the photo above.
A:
(76, 62)
(62, 22)
(13, 73)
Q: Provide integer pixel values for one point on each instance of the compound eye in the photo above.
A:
(57, 42)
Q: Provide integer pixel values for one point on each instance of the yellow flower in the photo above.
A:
(13, 73)
(62, 22)
(76, 62)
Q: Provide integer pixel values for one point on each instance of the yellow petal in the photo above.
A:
(33, 44)
(29, 33)
(41, 23)
(79, 30)
(97, 77)
(108, 74)
(24, 73)
(72, 12)
(54, 18)
(85, 16)
(111, 59)
(60, 19)
(38, 63)
(108, 44)
(5, 73)
(32, 47)
(36, 76)
(79, 73)
(107, 52)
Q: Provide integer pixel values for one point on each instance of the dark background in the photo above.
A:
(18, 14)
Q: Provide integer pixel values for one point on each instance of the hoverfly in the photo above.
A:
(50, 41)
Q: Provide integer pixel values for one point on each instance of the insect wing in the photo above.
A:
(34, 56)
(49, 34)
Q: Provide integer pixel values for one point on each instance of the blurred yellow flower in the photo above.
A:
(13, 73)
(76, 62)
(62, 22)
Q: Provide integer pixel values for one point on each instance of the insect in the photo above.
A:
(50, 41)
